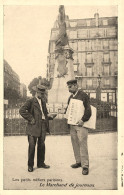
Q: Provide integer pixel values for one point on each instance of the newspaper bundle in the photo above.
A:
(75, 112)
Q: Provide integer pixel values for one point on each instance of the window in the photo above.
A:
(107, 82)
(99, 44)
(106, 70)
(105, 44)
(89, 71)
(81, 45)
(94, 44)
(112, 97)
(89, 57)
(105, 22)
(88, 22)
(111, 32)
(75, 68)
(113, 44)
(104, 97)
(73, 34)
(93, 33)
(106, 57)
(82, 33)
(89, 82)
(92, 95)
(81, 22)
(88, 45)
(73, 24)
(101, 33)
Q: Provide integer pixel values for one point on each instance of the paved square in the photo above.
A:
(59, 155)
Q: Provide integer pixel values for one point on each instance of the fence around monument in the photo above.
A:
(14, 124)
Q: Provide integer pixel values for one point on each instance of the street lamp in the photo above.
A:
(98, 89)
(99, 80)
(39, 78)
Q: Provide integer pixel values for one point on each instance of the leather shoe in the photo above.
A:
(76, 165)
(85, 171)
(30, 169)
(44, 166)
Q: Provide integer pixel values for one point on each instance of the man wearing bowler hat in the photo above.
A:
(35, 112)
(79, 134)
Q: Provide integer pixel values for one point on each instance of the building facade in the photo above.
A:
(11, 82)
(95, 45)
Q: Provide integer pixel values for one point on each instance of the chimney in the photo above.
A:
(96, 16)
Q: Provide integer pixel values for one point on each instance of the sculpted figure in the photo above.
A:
(62, 38)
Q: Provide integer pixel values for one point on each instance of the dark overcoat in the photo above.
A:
(31, 110)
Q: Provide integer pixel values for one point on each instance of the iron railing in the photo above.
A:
(14, 124)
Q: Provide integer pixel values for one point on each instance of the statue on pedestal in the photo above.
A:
(62, 38)
(63, 70)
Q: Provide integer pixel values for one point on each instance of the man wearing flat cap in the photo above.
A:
(79, 134)
(35, 112)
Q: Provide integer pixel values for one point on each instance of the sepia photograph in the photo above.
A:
(60, 97)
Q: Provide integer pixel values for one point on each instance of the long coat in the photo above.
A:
(31, 110)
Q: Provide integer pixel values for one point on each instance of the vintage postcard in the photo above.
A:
(56, 54)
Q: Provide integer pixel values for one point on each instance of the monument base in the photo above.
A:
(58, 95)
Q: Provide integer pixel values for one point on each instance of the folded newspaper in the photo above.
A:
(75, 112)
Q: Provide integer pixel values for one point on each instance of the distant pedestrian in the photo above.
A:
(35, 112)
(79, 134)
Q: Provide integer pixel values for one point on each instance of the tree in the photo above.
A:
(11, 94)
(33, 83)
(36, 81)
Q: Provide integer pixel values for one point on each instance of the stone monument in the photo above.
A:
(63, 70)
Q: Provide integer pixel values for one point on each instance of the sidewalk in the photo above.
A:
(59, 155)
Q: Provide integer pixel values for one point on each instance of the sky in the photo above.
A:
(27, 32)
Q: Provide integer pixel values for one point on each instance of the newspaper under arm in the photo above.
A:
(75, 112)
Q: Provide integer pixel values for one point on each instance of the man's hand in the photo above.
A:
(52, 115)
(80, 123)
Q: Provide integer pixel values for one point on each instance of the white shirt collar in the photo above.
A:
(39, 100)
(75, 93)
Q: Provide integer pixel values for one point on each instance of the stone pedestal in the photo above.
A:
(63, 72)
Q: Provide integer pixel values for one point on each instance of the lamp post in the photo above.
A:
(98, 89)
(39, 78)
(99, 80)
(116, 81)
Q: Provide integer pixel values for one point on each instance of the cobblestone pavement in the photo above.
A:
(59, 155)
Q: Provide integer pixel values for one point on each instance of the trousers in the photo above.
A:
(79, 137)
(40, 148)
